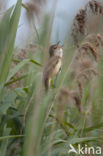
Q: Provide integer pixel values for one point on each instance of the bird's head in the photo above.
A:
(56, 50)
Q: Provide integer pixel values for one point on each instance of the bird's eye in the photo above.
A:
(55, 47)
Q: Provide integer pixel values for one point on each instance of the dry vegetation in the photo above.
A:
(83, 68)
(33, 122)
(80, 24)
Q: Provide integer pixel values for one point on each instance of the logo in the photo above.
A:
(85, 150)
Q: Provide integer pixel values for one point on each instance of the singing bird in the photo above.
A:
(54, 64)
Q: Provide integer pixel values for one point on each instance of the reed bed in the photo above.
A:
(35, 123)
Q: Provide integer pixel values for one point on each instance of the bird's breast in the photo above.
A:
(56, 68)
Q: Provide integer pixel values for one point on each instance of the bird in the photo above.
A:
(53, 66)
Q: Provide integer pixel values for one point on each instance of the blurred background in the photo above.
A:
(64, 14)
(32, 122)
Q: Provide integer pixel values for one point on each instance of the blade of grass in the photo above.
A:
(94, 127)
(83, 140)
(9, 41)
(10, 136)
(15, 80)
(19, 66)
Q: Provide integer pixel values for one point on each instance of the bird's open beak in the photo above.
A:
(58, 42)
(60, 45)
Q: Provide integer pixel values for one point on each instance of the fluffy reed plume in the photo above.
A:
(79, 25)
(33, 8)
(88, 48)
(95, 39)
(65, 98)
(83, 63)
(96, 7)
(92, 44)
(40, 1)
(3, 6)
(21, 55)
(18, 57)
(80, 22)
(83, 69)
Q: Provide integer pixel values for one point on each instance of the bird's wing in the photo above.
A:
(51, 65)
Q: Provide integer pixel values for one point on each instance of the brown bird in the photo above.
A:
(54, 64)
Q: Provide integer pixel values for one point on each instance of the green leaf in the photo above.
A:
(4, 144)
(59, 142)
(16, 79)
(35, 62)
(69, 125)
(6, 49)
(94, 127)
(4, 28)
(10, 136)
(35, 134)
(83, 140)
(19, 66)
(8, 100)
(8, 29)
